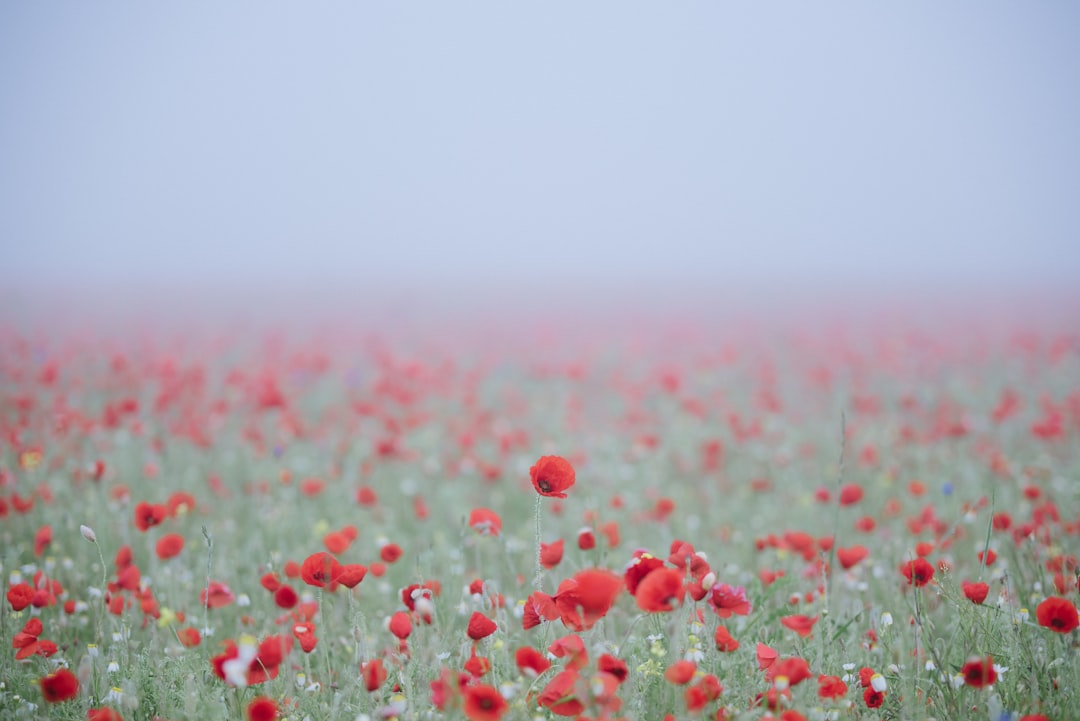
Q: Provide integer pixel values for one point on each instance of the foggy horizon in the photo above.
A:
(434, 154)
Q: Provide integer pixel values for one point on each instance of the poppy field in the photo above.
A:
(689, 522)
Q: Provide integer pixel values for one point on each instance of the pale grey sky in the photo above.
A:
(415, 143)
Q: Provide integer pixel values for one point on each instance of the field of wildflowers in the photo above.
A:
(812, 524)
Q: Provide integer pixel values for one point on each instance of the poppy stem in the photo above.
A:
(539, 566)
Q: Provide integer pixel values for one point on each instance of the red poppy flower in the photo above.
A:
(319, 569)
(724, 641)
(560, 694)
(802, 625)
(873, 699)
(19, 596)
(614, 666)
(42, 539)
(390, 553)
(217, 595)
(285, 596)
(480, 626)
(918, 572)
(103, 713)
(766, 656)
(336, 542)
(831, 687)
(483, 703)
(680, 672)
(851, 494)
(148, 515)
(660, 591)
(400, 625)
(552, 476)
(849, 557)
(975, 592)
(374, 674)
(586, 598)
(979, 672)
(477, 666)
(726, 600)
(349, 575)
(59, 686)
(262, 709)
(794, 669)
(641, 565)
(189, 636)
(1057, 614)
(551, 554)
(531, 662)
(538, 607)
(572, 648)
(169, 545)
(485, 521)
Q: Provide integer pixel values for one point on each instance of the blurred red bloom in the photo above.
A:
(979, 672)
(480, 626)
(560, 694)
(103, 713)
(551, 554)
(831, 687)
(918, 572)
(586, 598)
(680, 672)
(148, 515)
(262, 708)
(374, 674)
(59, 686)
(401, 625)
(851, 494)
(724, 641)
(726, 600)
(802, 625)
(483, 703)
(660, 591)
(19, 596)
(169, 545)
(189, 636)
(552, 476)
(1057, 614)
(975, 592)
(319, 569)
(485, 521)
(873, 699)
(216, 595)
(531, 662)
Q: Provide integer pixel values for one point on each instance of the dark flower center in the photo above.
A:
(544, 485)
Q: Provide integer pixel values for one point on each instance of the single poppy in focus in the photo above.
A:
(552, 476)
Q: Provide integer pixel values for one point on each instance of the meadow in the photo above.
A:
(740, 523)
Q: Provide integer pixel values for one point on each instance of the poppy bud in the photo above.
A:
(88, 533)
